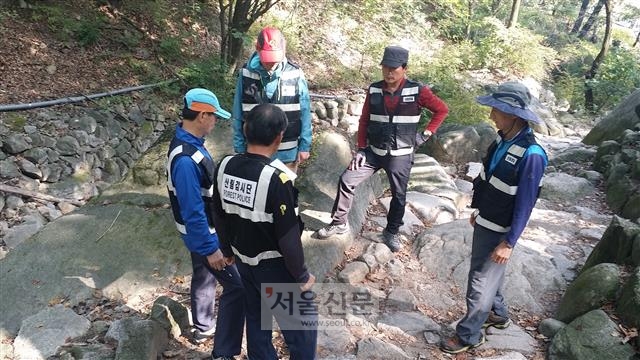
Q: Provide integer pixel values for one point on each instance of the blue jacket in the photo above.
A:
(186, 186)
(270, 86)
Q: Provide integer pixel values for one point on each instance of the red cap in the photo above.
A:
(270, 45)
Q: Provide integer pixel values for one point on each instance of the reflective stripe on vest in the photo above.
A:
(491, 225)
(283, 107)
(258, 213)
(392, 152)
(397, 119)
(253, 261)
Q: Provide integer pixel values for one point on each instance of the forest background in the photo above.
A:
(587, 52)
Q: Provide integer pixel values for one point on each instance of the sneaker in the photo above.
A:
(392, 240)
(202, 336)
(333, 229)
(496, 321)
(454, 344)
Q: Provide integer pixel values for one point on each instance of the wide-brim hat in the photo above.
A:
(511, 98)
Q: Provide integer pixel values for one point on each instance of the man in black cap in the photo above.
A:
(504, 195)
(387, 138)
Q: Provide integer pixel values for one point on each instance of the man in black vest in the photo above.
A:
(256, 212)
(269, 77)
(504, 195)
(387, 138)
(190, 184)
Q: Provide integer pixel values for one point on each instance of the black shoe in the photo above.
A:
(222, 358)
(392, 240)
(454, 344)
(333, 229)
(496, 321)
(201, 336)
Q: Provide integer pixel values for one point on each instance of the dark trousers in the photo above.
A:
(484, 285)
(397, 168)
(231, 310)
(301, 343)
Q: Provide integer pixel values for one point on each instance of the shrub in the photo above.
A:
(616, 78)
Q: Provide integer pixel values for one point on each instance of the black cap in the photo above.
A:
(395, 56)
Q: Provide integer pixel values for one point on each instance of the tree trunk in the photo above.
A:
(515, 10)
(580, 19)
(469, 19)
(592, 18)
(588, 94)
(637, 40)
(495, 6)
(236, 18)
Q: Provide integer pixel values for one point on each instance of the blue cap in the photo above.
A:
(203, 100)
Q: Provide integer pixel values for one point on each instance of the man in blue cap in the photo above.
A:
(190, 171)
(504, 195)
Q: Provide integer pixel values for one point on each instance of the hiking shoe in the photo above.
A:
(392, 240)
(333, 229)
(202, 336)
(454, 344)
(222, 358)
(496, 321)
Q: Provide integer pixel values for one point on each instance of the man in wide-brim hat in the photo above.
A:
(504, 195)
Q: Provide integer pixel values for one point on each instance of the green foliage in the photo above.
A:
(616, 78)
(86, 30)
(170, 48)
(210, 73)
(15, 121)
(518, 50)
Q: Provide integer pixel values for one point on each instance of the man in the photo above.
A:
(387, 138)
(504, 195)
(190, 183)
(269, 77)
(256, 209)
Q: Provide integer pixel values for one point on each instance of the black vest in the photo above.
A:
(179, 148)
(398, 129)
(286, 97)
(494, 196)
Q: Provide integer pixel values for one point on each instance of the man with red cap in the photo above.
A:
(269, 77)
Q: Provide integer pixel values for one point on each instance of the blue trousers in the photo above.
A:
(231, 310)
(397, 168)
(301, 343)
(484, 285)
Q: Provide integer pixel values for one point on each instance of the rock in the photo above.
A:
(372, 348)
(36, 155)
(561, 187)
(19, 233)
(413, 323)
(507, 356)
(16, 143)
(616, 243)
(379, 252)
(402, 299)
(512, 338)
(592, 336)
(550, 327)
(353, 272)
(473, 170)
(624, 116)
(42, 334)
(580, 154)
(68, 145)
(29, 169)
(628, 305)
(433, 209)
(589, 291)
(337, 339)
(171, 315)
(427, 174)
(460, 143)
(85, 123)
(138, 339)
(9, 170)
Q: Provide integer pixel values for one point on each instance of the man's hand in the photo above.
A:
(229, 260)
(472, 219)
(302, 156)
(359, 159)
(422, 138)
(307, 286)
(501, 253)
(216, 260)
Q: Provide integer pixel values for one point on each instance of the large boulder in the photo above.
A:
(589, 291)
(460, 143)
(561, 187)
(625, 116)
(616, 245)
(589, 337)
(628, 306)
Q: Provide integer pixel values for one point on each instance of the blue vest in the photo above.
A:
(286, 97)
(494, 195)
(179, 148)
